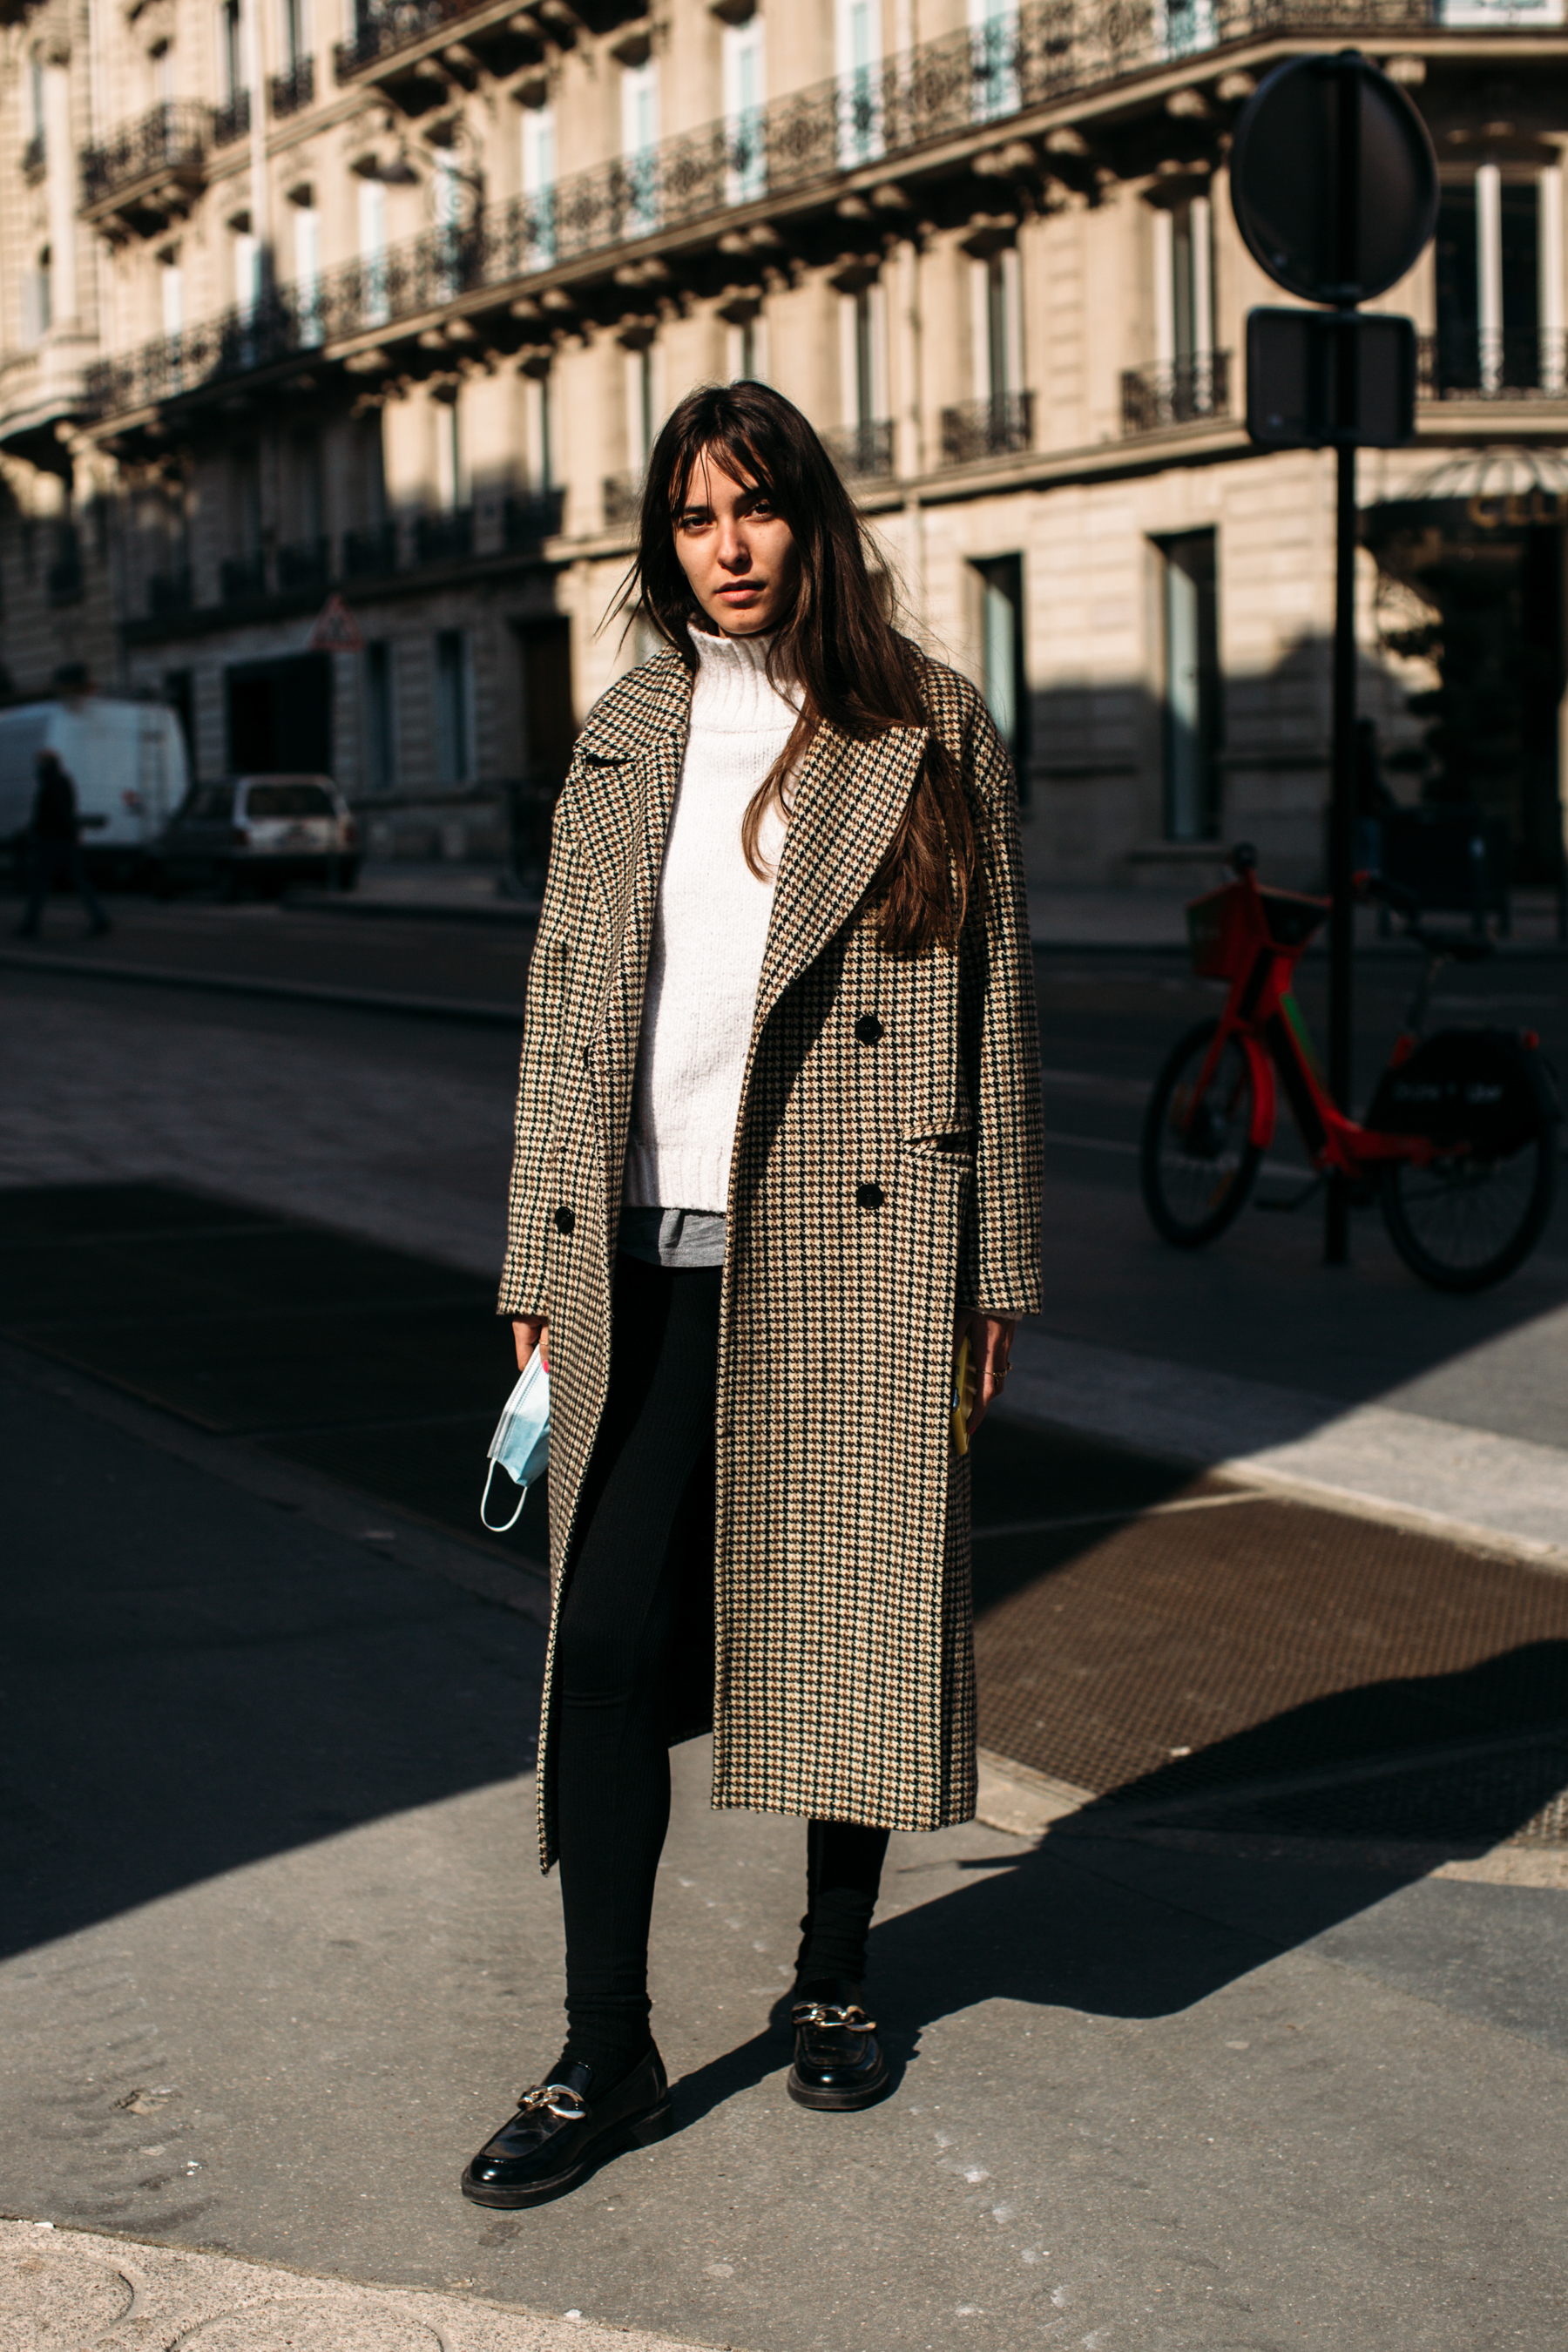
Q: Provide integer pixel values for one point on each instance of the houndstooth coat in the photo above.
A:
(886, 1169)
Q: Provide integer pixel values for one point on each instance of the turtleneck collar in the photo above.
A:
(733, 692)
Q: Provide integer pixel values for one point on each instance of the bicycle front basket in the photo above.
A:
(1216, 930)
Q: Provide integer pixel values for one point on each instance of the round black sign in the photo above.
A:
(1332, 179)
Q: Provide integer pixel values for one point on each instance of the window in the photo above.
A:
(862, 362)
(993, 50)
(642, 406)
(746, 345)
(372, 469)
(1184, 305)
(997, 326)
(1001, 579)
(639, 136)
(745, 124)
(374, 308)
(1500, 291)
(247, 271)
(539, 183)
(860, 46)
(448, 455)
(289, 800)
(452, 706)
(308, 273)
(1192, 714)
(1184, 26)
(231, 47)
(170, 293)
(379, 768)
(309, 493)
(296, 39)
(38, 297)
(246, 499)
(540, 431)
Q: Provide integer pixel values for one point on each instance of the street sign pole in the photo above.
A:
(1342, 808)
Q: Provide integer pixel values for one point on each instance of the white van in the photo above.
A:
(127, 760)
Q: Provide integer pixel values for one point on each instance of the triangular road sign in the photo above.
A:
(335, 630)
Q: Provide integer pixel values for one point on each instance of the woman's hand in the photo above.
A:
(990, 1355)
(528, 1331)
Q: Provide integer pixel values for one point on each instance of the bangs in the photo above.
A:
(729, 446)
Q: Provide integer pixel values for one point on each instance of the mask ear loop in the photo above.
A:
(484, 1498)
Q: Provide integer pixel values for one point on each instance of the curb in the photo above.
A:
(475, 1012)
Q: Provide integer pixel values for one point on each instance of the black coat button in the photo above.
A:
(564, 1221)
(869, 1196)
(868, 1029)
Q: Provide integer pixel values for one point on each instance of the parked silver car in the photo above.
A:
(258, 833)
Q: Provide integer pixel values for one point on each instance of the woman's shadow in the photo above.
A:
(1338, 1804)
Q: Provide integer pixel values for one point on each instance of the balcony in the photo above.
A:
(444, 538)
(528, 520)
(231, 121)
(370, 550)
(380, 31)
(240, 577)
(861, 452)
(170, 593)
(1000, 427)
(1154, 399)
(305, 563)
(149, 170)
(1474, 366)
(288, 92)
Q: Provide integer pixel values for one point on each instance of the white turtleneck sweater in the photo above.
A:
(711, 928)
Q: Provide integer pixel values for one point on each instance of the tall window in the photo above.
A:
(379, 761)
(448, 455)
(862, 366)
(1184, 304)
(858, 31)
(745, 124)
(538, 183)
(642, 406)
(1001, 582)
(1499, 282)
(447, 195)
(231, 48)
(308, 273)
(1183, 26)
(746, 344)
(997, 327)
(375, 308)
(310, 487)
(452, 706)
(245, 511)
(1192, 695)
(36, 107)
(993, 50)
(640, 140)
(542, 456)
(296, 39)
(38, 297)
(171, 292)
(247, 271)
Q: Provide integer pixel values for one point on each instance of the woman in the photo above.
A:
(778, 1150)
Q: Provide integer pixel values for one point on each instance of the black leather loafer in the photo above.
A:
(561, 2131)
(838, 2062)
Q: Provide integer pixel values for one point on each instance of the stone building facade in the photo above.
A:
(388, 297)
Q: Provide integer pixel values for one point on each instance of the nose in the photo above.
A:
(733, 553)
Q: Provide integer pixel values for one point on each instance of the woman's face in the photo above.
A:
(738, 553)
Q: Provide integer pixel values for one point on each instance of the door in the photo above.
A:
(280, 716)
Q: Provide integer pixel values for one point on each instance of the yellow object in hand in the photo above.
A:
(963, 1395)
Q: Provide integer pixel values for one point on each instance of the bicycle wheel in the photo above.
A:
(1467, 1221)
(1197, 1163)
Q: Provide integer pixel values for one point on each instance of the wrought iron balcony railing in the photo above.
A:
(370, 550)
(170, 592)
(240, 576)
(861, 451)
(34, 158)
(305, 563)
(1475, 365)
(527, 518)
(296, 88)
(171, 138)
(1184, 392)
(1003, 427)
(969, 80)
(231, 121)
(444, 537)
(380, 29)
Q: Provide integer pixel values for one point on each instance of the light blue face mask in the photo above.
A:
(522, 1442)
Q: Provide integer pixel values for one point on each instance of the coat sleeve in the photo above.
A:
(522, 1284)
(1000, 1269)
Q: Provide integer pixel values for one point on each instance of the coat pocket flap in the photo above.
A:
(949, 1137)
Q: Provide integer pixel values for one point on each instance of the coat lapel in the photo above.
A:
(847, 803)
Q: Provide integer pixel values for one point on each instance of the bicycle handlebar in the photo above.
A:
(1458, 946)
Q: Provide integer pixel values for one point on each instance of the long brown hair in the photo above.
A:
(851, 666)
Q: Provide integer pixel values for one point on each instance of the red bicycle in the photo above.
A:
(1459, 1146)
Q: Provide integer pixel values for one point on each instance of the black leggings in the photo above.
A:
(640, 1587)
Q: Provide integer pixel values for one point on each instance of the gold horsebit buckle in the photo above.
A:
(852, 2019)
(558, 2097)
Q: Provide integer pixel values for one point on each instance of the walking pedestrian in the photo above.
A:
(55, 848)
(778, 1148)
